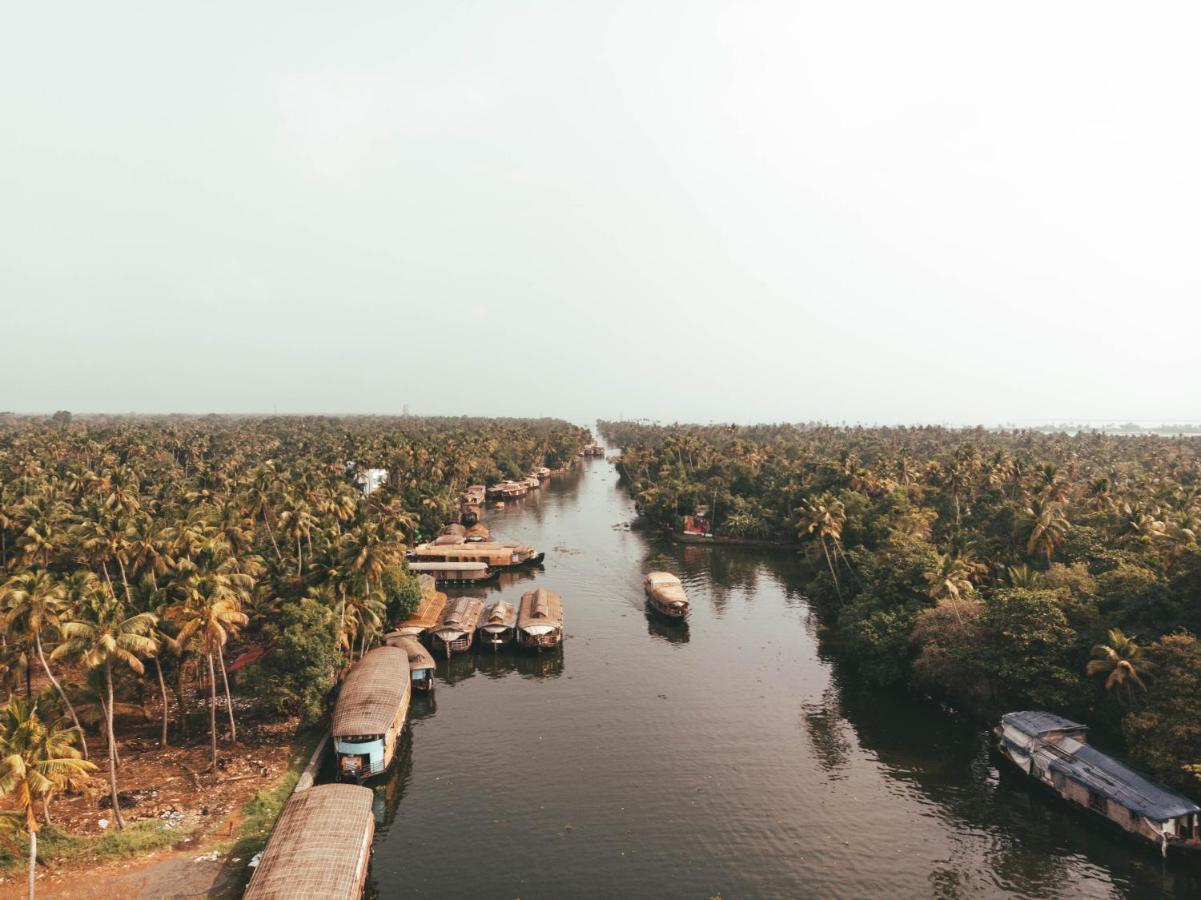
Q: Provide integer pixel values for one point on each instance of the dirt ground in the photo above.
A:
(177, 787)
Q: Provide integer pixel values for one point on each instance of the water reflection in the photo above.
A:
(389, 793)
(674, 631)
(457, 668)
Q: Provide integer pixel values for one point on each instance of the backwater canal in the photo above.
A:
(728, 757)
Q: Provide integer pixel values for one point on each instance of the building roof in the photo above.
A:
(319, 847)
(1112, 778)
(372, 693)
(1036, 722)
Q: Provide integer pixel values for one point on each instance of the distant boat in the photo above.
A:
(495, 554)
(497, 624)
(666, 594)
(454, 572)
(540, 620)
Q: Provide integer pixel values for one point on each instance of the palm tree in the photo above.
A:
(101, 634)
(1048, 527)
(210, 610)
(36, 758)
(33, 601)
(1121, 662)
(824, 518)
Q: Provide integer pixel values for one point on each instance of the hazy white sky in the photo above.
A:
(893, 212)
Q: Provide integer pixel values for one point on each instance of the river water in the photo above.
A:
(727, 757)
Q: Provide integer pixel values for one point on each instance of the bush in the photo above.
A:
(297, 674)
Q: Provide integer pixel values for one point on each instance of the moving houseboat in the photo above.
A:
(319, 848)
(456, 631)
(421, 663)
(496, 555)
(540, 620)
(370, 712)
(666, 594)
(454, 572)
(497, 624)
(1054, 752)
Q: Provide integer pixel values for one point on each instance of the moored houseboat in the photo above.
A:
(540, 472)
(471, 572)
(421, 663)
(475, 494)
(453, 528)
(448, 540)
(370, 712)
(666, 594)
(533, 482)
(497, 624)
(540, 620)
(478, 533)
(456, 631)
(496, 554)
(429, 609)
(508, 490)
(319, 848)
(1055, 752)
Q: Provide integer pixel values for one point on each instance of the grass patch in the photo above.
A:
(56, 846)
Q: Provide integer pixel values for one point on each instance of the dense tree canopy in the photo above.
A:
(990, 567)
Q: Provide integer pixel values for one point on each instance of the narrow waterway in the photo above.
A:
(725, 757)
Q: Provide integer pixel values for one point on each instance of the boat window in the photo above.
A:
(1098, 803)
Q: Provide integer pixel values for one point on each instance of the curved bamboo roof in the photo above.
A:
(461, 614)
(452, 528)
(540, 607)
(499, 613)
(665, 588)
(419, 657)
(372, 693)
(319, 847)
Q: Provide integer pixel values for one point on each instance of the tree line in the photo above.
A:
(997, 569)
(134, 552)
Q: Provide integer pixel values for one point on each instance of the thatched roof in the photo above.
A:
(499, 613)
(665, 588)
(479, 530)
(319, 848)
(372, 693)
(540, 607)
(452, 528)
(429, 611)
(444, 540)
(419, 657)
(462, 613)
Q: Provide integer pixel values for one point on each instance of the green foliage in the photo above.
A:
(297, 674)
(1164, 731)
(55, 846)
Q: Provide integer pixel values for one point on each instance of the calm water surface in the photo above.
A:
(725, 757)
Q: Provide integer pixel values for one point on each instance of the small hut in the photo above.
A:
(319, 848)
(540, 620)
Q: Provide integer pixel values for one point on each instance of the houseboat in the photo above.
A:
(496, 554)
(593, 450)
(508, 490)
(1055, 752)
(454, 528)
(478, 533)
(456, 631)
(429, 609)
(497, 624)
(319, 848)
(475, 494)
(532, 482)
(448, 540)
(370, 712)
(666, 594)
(421, 663)
(540, 620)
(454, 572)
(540, 472)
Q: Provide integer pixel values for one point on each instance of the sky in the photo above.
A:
(873, 212)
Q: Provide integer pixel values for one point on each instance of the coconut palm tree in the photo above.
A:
(1048, 527)
(209, 610)
(101, 633)
(1121, 662)
(36, 759)
(823, 518)
(32, 602)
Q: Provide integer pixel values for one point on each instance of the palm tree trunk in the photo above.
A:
(112, 745)
(162, 688)
(213, 711)
(299, 556)
(229, 702)
(33, 858)
(58, 687)
(830, 563)
(271, 534)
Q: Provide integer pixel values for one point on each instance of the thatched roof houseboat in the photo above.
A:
(540, 620)
(456, 631)
(319, 848)
(497, 624)
(508, 490)
(373, 702)
(666, 594)
(497, 555)
(477, 533)
(429, 609)
(421, 663)
(454, 528)
(1054, 751)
